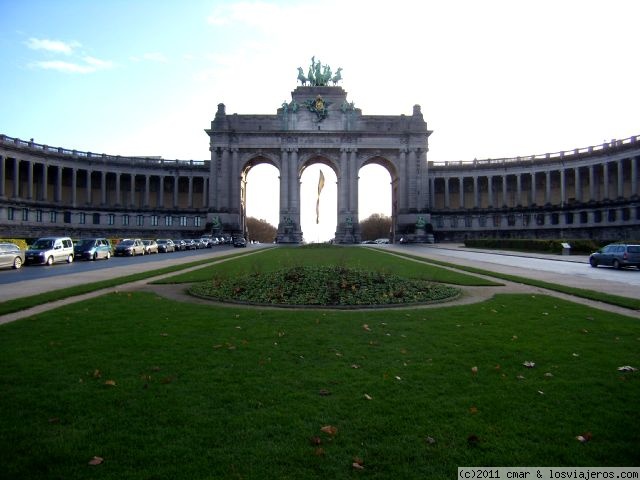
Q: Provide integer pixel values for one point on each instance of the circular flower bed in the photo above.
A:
(323, 286)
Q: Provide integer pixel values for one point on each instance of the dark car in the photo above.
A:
(11, 255)
(166, 245)
(617, 255)
(239, 242)
(190, 244)
(180, 245)
(92, 248)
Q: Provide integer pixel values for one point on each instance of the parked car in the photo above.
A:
(180, 245)
(92, 248)
(47, 250)
(11, 256)
(239, 242)
(130, 247)
(190, 244)
(166, 245)
(617, 255)
(150, 246)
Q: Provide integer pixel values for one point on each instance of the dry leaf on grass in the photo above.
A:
(111, 383)
(627, 368)
(584, 438)
(96, 461)
(367, 396)
(529, 364)
(329, 430)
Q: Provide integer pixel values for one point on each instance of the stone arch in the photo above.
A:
(250, 161)
(308, 168)
(391, 167)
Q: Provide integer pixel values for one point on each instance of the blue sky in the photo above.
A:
(494, 78)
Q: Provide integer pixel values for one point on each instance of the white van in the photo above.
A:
(47, 250)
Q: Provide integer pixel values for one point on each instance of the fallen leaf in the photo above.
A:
(430, 440)
(367, 396)
(529, 364)
(164, 334)
(54, 420)
(324, 392)
(540, 392)
(366, 327)
(474, 370)
(319, 452)
(96, 461)
(329, 430)
(584, 438)
(111, 383)
(473, 410)
(398, 378)
(315, 441)
(97, 373)
(548, 374)
(575, 354)
(627, 368)
(520, 377)
(355, 365)
(358, 463)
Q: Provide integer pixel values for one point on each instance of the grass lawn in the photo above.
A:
(168, 390)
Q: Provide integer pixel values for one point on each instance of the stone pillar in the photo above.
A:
(224, 185)
(475, 192)
(59, 185)
(132, 193)
(547, 188)
(353, 184)
(578, 186)
(446, 192)
(30, 180)
(117, 188)
(404, 180)
(533, 189)
(2, 174)
(634, 177)
(88, 186)
(176, 184)
(190, 194)
(284, 182)
(236, 178)
(563, 187)
(461, 189)
(412, 175)
(146, 191)
(160, 191)
(518, 189)
(16, 178)
(504, 190)
(620, 174)
(343, 183)
(103, 188)
(592, 185)
(212, 179)
(74, 182)
(605, 179)
(294, 206)
(490, 190)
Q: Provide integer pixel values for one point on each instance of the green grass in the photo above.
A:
(211, 392)
(351, 257)
(23, 303)
(625, 302)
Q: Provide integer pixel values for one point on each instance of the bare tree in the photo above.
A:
(261, 230)
(376, 226)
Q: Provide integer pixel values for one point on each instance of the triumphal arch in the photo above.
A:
(320, 125)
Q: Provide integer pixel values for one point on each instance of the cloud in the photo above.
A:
(83, 66)
(54, 46)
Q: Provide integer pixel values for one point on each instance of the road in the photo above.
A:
(571, 270)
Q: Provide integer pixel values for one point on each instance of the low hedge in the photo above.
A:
(578, 246)
(20, 242)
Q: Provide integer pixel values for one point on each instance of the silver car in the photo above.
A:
(11, 256)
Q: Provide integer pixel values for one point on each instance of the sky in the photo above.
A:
(494, 78)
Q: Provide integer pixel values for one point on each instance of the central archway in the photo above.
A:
(318, 201)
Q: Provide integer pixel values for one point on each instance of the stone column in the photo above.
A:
(117, 188)
(59, 185)
(161, 191)
(547, 187)
(30, 180)
(353, 184)
(592, 185)
(212, 179)
(563, 187)
(605, 178)
(475, 192)
(103, 188)
(578, 187)
(176, 184)
(620, 174)
(88, 186)
(634, 177)
(518, 189)
(190, 194)
(294, 206)
(74, 182)
(2, 174)
(533, 189)
(504, 190)
(343, 182)
(490, 190)
(132, 193)
(461, 189)
(146, 191)
(284, 182)
(447, 199)
(412, 174)
(404, 180)
(236, 178)
(16, 178)
(224, 185)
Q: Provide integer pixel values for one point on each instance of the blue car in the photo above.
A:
(92, 249)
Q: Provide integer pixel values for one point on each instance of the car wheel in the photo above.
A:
(17, 263)
(616, 264)
(593, 262)
(95, 255)
(108, 256)
(70, 259)
(49, 261)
